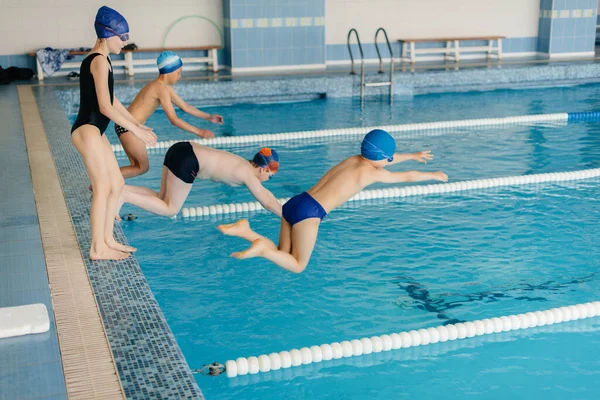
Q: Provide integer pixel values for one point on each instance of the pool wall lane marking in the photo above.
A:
(417, 190)
(402, 340)
(359, 131)
(89, 368)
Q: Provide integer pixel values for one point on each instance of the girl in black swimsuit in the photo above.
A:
(98, 106)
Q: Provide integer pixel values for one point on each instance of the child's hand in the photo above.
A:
(440, 176)
(145, 134)
(422, 156)
(205, 133)
(215, 119)
(142, 126)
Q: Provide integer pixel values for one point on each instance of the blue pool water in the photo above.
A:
(399, 264)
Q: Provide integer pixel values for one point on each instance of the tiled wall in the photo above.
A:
(274, 33)
(567, 26)
(339, 52)
(28, 25)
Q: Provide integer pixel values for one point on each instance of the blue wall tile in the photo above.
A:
(269, 38)
(590, 27)
(299, 37)
(580, 27)
(285, 38)
(315, 8)
(238, 39)
(530, 44)
(296, 9)
(253, 11)
(315, 36)
(284, 57)
(270, 57)
(299, 57)
(254, 38)
(226, 9)
(254, 59)
(240, 59)
(269, 9)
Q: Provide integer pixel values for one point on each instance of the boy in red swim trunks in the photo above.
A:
(303, 213)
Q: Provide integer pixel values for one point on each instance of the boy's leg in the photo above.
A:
(304, 237)
(137, 154)
(242, 229)
(87, 140)
(112, 206)
(176, 191)
(141, 190)
(285, 237)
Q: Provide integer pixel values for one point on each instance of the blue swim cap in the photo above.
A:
(378, 145)
(267, 158)
(167, 62)
(110, 23)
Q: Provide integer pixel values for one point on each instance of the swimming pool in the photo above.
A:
(397, 264)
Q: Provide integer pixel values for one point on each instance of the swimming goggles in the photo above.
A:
(123, 36)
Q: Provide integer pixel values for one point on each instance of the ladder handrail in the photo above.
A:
(381, 61)
(362, 57)
(389, 48)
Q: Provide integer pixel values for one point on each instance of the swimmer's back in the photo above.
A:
(146, 101)
(341, 182)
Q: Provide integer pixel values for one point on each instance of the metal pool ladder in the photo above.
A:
(364, 84)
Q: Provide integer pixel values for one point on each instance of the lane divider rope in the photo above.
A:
(465, 123)
(416, 190)
(412, 338)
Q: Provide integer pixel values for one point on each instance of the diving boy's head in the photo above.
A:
(169, 66)
(111, 27)
(267, 163)
(379, 147)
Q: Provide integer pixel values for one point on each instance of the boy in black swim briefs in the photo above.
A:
(186, 162)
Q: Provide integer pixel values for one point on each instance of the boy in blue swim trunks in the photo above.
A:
(302, 214)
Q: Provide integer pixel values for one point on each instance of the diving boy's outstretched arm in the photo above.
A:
(165, 99)
(263, 195)
(420, 156)
(185, 107)
(385, 176)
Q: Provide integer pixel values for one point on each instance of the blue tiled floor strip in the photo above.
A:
(148, 358)
(30, 366)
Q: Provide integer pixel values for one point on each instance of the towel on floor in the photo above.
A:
(23, 320)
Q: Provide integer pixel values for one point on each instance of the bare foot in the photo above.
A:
(253, 251)
(106, 253)
(236, 229)
(120, 247)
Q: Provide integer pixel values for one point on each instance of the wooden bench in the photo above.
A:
(129, 62)
(452, 49)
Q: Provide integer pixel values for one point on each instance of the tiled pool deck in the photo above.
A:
(30, 366)
(149, 362)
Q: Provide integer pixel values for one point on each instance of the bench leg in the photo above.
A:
(215, 60)
(129, 63)
(448, 52)
(456, 51)
(490, 50)
(402, 51)
(499, 49)
(412, 53)
(40, 71)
